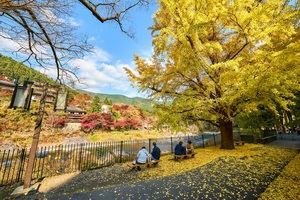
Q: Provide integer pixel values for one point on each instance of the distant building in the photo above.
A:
(105, 109)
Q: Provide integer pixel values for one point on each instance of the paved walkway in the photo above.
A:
(224, 178)
(293, 144)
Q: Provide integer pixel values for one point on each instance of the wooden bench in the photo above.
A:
(239, 143)
(179, 157)
(139, 166)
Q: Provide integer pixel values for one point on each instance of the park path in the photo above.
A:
(224, 178)
(292, 144)
(291, 141)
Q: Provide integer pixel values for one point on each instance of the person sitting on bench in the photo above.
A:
(155, 153)
(142, 156)
(190, 148)
(180, 150)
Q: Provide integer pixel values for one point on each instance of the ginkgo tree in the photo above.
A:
(214, 59)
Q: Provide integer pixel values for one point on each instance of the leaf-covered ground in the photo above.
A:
(286, 185)
(243, 173)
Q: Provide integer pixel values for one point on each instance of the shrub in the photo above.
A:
(59, 123)
(5, 93)
(120, 107)
(120, 124)
(116, 114)
(134, 124)
(129, 112)
(94, 121)
(125, 124)
(90, 122)
(55, 121)
(82, 101)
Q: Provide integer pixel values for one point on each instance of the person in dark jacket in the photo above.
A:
(155, 152)
(179, 149)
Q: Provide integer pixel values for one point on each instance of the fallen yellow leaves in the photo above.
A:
(287, 184)
(168, 167)
(242, 173)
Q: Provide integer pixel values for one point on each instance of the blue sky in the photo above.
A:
(108, 36)
(114, 50)
(102, 71)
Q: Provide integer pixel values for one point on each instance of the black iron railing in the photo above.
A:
(61, 159)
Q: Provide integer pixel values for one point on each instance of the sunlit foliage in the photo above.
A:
(215, 59)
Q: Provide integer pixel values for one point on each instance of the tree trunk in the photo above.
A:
(226, 134)
(35, 139)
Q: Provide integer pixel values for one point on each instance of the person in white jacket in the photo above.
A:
(142, 157)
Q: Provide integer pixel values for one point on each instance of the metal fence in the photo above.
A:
(60, 159)
(293, 136)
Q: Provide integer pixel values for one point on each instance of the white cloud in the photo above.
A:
(51, 72)
(98, 73)
(6, 44)
(146, 54)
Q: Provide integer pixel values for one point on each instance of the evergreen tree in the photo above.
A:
(96, 105)
(107, 101)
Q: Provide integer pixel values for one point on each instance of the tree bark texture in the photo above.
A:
(226, 134)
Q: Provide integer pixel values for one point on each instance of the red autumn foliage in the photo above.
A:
(94, 121)
(120, 124)
(56, 121)
(5, 93)
(4, 78)
(130, 117)
(134, 123)
(82, 101)
(129, 112)
(125, 124)
(59, 122)
(120, 107)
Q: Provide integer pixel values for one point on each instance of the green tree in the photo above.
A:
(262, 118)
(107, 101)
(96, 105)
(215, 59)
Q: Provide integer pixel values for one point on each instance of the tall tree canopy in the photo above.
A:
(214, 59)
(43, 33)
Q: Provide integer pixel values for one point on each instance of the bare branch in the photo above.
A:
(112, 11)
(44, 36)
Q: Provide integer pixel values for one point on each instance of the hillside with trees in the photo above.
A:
(143, 103)
(12, 69)
(104, 112)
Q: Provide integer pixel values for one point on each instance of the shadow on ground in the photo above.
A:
(224, 178)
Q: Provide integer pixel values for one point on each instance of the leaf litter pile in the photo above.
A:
(242, 173)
